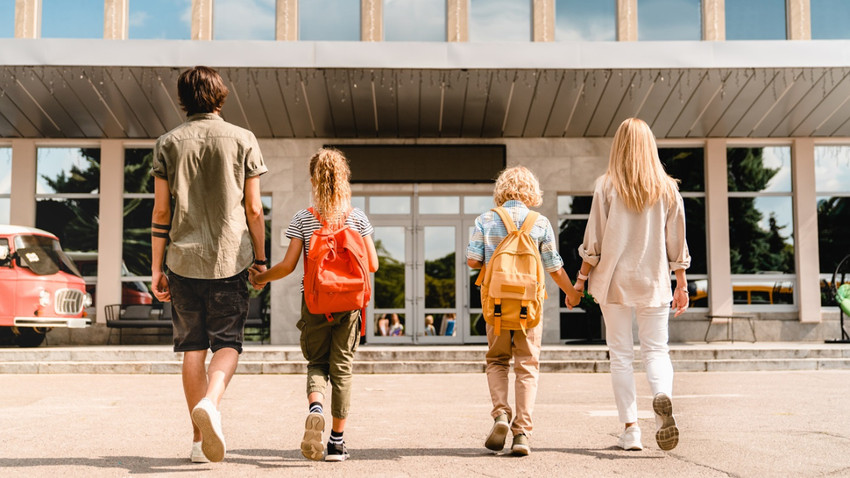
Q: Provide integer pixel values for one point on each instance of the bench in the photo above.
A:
(149, 316)
(729, 321)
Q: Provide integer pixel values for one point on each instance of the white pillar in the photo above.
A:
(714, 20)
(806, 229)
(286, 25)
(627, 20)
(202, 19)
(111, 226)
(717, 222)
(799, 19)
(116, 19)
(371, 20)
(22, 201)
(27, 18)
(457, 23)
(544, 20)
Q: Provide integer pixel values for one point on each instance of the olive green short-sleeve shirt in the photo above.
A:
(206, 161)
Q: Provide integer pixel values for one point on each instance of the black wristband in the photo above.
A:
(261, 263)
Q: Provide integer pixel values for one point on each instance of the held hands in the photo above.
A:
(680, 301)
(253, 278)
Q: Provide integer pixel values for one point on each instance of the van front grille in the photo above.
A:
(68, 302)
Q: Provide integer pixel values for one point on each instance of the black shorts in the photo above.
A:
(208, 313)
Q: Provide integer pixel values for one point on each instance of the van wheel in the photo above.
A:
(29, 336)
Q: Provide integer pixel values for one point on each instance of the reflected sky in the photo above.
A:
(7, 19)
(244, 19)
(755, 20)
(71, 18)
(329, 20)
(439, 204)
(499, 20)
(669, 20)
(389, 205)
(439, 242)
(161, 19)
(830, 19)
(832, 169)
(415, 20)
(392, 240)
(773, 157)
(581, 20)
(780, 207)
(53, 161)
(5, 170)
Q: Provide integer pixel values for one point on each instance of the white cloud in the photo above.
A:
(500, 20)
(139, 19)
(244, 20)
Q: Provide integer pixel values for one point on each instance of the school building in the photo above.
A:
(430, 99)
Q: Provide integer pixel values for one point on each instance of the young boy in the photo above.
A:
(516, 189)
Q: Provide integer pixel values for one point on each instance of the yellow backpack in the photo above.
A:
(513, 282)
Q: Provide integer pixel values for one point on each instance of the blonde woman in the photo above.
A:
(516, 189)
(635, 236)
(328, 346)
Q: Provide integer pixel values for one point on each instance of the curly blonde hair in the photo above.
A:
(329, 175)
(635, 169)
(517, 183)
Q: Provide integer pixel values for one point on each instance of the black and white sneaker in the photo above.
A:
(336, 452)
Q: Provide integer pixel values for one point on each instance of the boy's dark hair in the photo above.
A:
(201, 90)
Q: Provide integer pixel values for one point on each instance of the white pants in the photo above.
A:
(652, 331)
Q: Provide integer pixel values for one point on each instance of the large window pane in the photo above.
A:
(136, 244)
(499, 20)
(73, 221)
(72, 19)
(161, 19)
(137, 170)
(7, 19)
(759, 169)
(389, 205)
(696, 237)
(762, 291)
(68, 170)
(415, 20)
(832, 169)
(440, 278)
(830, 19)
(389, 279)
(245, 19)
(761, 235)
(832, 183)
(329, 20)
(439, 204)
(669, 20)
(755, 20)
(570, 237)
(686, 165)
(574, 204)
(477, 204)
(581, 20)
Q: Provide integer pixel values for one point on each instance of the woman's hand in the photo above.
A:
(680, 301)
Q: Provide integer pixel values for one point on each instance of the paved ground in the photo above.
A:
(732, 423)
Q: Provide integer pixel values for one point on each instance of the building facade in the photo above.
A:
(430, 99)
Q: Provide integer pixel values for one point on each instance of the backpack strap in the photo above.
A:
(497, 317)
(528, 224)
(506, 218)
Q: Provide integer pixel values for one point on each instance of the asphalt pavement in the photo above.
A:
(787, 423)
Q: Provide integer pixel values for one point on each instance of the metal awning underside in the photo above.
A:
(98, 89)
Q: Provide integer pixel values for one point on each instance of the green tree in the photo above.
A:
(389, 280)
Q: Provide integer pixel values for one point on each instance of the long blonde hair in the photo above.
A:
(329, 175)
(635, 170)
(517, 183)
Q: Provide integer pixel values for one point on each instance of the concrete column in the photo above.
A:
(286, 26)
(202, 19)
(116, 19)
(371, 20)
(27, 18)
(544, 20)
(457, 24)
(111, 226)
(627, 20)
(806, 229)
(22, 201)
(717, 222)
(799, 17)
(714, 20)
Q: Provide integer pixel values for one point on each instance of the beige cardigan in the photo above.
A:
(632, 253)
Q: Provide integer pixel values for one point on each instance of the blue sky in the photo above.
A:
(577, 20)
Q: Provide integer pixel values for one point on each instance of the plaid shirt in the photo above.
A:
(489, 232)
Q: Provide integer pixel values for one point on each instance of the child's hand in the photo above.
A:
(573, 300)
(252, 278)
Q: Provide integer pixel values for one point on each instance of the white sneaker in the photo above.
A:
(667, 435)
(197, 455)
(630, 439)
(208, 419)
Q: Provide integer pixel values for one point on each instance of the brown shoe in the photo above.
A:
(498, 434)
(520, 445)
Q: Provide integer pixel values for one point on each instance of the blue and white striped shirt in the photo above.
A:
(490, 230)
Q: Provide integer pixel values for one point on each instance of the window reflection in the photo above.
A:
(415, 20)
(161, 19)
(329, 20)
(244, 19)
(439, 204)
(440, 267)
(830, 19)
(761, 235)
(832, 183)
(499, 20)
(389, 205)
(68, 170)
(759, 169)
(755, 20)
(78, 19)
(389, 278)
(762, 292)
(669, 20)
(574, 204)
(5, 183)
(580, 20)
(477, 204)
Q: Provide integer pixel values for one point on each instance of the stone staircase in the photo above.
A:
(274, 359)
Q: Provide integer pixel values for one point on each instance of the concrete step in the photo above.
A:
(269, 359)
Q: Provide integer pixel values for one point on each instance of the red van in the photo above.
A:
(40, 287)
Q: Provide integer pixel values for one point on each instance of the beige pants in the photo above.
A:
(525, 351)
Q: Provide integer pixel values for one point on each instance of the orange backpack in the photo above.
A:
(336, 273)
(512, 284)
